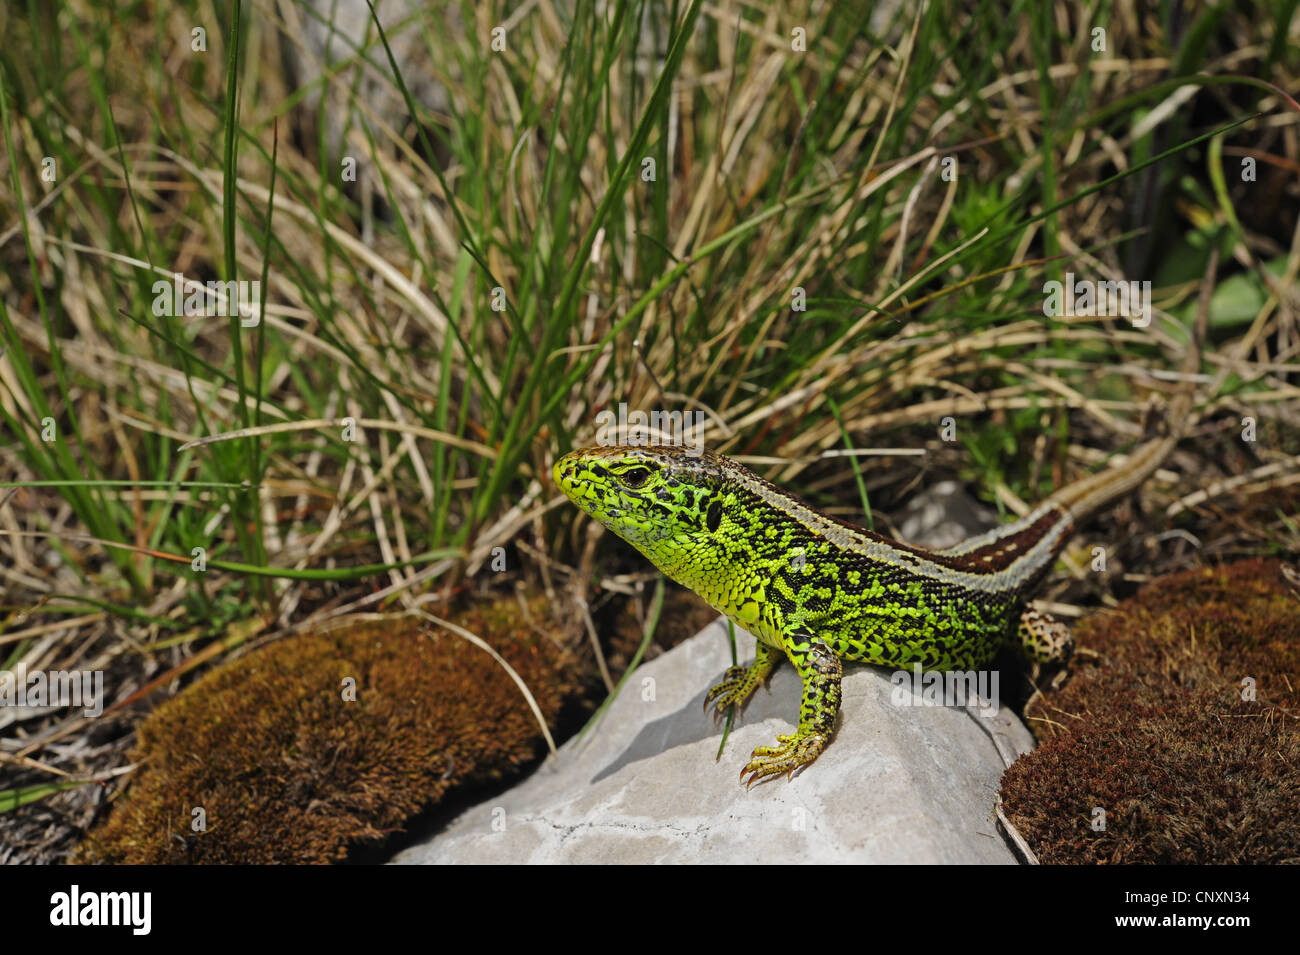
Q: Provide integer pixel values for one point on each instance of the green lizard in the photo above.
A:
(818, 590)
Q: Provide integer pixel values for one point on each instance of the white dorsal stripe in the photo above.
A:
(999, 533)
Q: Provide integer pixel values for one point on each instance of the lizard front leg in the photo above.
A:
(739, 683)
(820, 670)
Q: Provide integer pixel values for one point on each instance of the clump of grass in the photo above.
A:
(286, 768)
(1185, 735)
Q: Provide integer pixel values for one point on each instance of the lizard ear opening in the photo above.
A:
(714, 516)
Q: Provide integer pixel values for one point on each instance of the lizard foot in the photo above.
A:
(732, 691)
(795, 751)
(739, 683)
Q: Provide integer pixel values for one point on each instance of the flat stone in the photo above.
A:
(898, 783)
(943, 515)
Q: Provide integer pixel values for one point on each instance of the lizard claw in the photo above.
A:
(789, 758)
(734, 690)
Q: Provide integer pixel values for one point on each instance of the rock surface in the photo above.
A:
(897, 784)
(944, 515)
(333, 46)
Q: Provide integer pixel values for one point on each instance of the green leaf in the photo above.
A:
(13, 798)
(1238, 298)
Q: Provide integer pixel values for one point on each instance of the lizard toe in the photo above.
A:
(794, 752)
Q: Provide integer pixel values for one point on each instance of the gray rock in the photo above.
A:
(339, 38)
(897, 784)
(943, 516)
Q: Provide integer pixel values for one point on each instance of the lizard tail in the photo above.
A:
(1090, 495)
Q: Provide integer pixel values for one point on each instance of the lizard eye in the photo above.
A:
(635, 477)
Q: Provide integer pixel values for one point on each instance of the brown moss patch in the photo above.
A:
(1157, 734)
(287, 770)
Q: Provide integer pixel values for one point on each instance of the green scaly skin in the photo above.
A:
(817, 591)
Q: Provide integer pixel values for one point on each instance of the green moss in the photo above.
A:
(1158, 735)
(287, 770)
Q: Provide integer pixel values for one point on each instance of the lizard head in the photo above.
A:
(663, 501)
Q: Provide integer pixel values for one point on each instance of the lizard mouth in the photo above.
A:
(585, 480)
(565, 474)
(575, 485)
